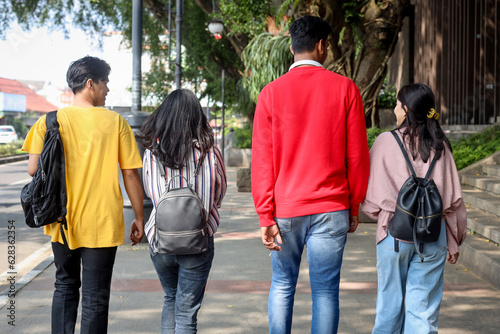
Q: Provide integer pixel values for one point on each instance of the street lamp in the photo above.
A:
(215, 26)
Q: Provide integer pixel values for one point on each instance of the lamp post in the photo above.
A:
(223, 115)
(215, 26)
(178, 42)
(137, 53)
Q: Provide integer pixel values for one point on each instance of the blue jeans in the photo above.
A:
(97, 270)
(409, 291)
(183, 279)
(325, 237)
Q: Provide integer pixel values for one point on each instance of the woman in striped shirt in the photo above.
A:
(177, 135)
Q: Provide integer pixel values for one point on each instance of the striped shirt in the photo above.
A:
(210, 184)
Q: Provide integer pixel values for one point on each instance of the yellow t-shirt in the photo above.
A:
(97, 143)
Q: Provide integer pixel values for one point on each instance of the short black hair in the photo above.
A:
(306, 31)
(86, 68)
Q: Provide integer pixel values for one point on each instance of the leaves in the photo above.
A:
(475, 147)
(266, 58)
(244, 16)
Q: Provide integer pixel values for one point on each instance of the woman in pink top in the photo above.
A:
(410, 291)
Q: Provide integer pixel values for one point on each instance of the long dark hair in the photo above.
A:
(418, 102)
(171, 130)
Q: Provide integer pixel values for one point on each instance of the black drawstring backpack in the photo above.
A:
(419, 209)
(44, 198)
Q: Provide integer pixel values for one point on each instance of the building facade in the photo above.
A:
(453, 46)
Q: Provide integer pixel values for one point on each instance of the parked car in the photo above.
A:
(7, 134)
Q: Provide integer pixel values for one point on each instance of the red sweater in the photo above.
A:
(309, 148)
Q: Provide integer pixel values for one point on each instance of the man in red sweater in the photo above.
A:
(310, 167)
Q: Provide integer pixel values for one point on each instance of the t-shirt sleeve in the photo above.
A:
(128, 155)
(33, 143)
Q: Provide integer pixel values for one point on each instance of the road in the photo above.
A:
(31, 245)
(28, 242)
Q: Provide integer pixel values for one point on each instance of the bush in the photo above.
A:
(243, 137)
(466, 151)
(372, 134)
(387, 97)
(12, 148)
(475, 147)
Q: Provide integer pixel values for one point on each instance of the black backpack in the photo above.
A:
(44, 198)
(419, 209)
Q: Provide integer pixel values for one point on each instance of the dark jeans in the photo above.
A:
(96, 278)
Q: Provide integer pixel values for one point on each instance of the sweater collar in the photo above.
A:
(305, 62)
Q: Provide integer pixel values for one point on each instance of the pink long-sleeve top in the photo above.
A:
(388, 172)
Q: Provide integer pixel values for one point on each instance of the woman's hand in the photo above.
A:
(453, 258)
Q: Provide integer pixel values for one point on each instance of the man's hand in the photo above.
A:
(353, 223)
(268, 235)
(453, 258)
(136, 231)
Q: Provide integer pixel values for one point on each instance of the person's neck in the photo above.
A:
(82, 101)
(306, 56)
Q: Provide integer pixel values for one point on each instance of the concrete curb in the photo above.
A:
(13, 158)
(6, 295)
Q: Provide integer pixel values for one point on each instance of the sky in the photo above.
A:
(43, 55)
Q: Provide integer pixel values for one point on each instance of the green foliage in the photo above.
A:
(157, 83)
(387, 97)
(285, 6)
(266, 58)
(243, 136)
(12, 148)
(466, 151)
(245, 16)
(352, 17)
(475, 147)
(205, 53)
(91, 16)
(245, 106)
(372, 134)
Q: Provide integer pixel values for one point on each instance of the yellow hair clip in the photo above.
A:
(433, 114)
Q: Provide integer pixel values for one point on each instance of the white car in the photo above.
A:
(7, 134)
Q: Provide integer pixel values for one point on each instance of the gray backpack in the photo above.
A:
(181, 223)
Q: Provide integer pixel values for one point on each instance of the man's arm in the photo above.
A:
(33, 163)
(263, 179)
(357, 156)
(133, 186)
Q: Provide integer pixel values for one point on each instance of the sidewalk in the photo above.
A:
(236, 297)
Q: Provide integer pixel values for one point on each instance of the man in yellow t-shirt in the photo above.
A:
(97, 144)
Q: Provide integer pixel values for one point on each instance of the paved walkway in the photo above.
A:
(236, 297)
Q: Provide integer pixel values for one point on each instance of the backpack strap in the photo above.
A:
(407, 158)
(431, 167)
(51, 123)
(198, 164)
(51, 120)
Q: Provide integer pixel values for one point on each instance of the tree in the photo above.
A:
(364, 35)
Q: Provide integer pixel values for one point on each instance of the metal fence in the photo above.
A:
(456, 51)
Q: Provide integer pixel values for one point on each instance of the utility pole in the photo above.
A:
(178, 43)
(136, 54)
(223, 115)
